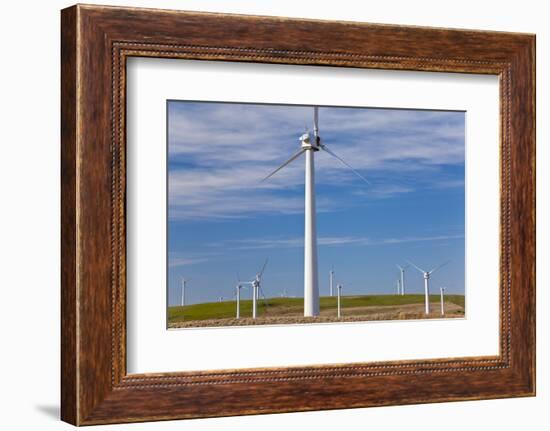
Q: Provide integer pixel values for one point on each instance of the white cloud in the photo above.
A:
(271, 243)
(226, 149)
(174, 261)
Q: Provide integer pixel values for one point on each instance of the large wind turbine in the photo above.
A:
(427, 284)
(310, 145)
(402, 272)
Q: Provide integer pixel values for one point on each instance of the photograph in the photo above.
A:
(302, 214)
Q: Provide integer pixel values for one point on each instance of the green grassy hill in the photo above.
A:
(294, 306)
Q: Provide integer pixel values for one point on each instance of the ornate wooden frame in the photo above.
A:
(95, 43)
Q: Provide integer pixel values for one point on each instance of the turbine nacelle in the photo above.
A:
(310, 142)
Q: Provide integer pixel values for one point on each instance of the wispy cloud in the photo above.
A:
(276, 243)
(177, 261)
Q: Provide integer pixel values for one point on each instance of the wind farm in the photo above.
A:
(245, 311)
(280, 311)
(336, 212)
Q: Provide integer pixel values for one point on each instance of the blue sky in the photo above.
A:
(224, 222)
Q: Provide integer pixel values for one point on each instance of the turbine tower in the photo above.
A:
(339, 293)
(442, 300)
(427, 284)
(238, 288)
(183, 286)
(331, 281)
(402, 272)
(310, 145)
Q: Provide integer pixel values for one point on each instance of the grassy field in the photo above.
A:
(277, 307)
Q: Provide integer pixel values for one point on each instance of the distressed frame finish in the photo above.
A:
(95, 43)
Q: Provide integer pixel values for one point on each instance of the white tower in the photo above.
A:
(311, 285)
(427, 293)
(339, 293)
(238, 296)
(331, 281)
(255, 299)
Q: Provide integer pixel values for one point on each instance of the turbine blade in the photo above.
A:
(324, 147)
(263, 268)
(437, 267)
(294, 157)
(420, 269)
(316, 120)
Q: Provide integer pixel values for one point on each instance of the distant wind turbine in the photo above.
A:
(442, 300)
(331, 281)
(427, 283)
(402, 272)
(256, 284)
(339, 293)
(184, 282)
(310, 145)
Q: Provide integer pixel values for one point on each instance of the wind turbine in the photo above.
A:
(310, 145)
(331, 280)
(339, 293)
(183, 286)
(402, 272)
(427, 284)
(256, 286)
(442, 300)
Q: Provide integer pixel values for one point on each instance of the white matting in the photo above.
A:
(152, 348)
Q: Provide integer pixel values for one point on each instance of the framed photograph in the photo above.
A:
(215, 185)
(323, 214)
